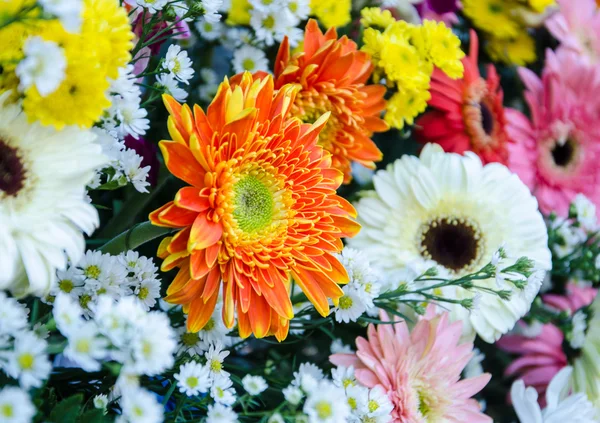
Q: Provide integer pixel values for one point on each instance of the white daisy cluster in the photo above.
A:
(122, 331)
(363, 288)
(209, 376)
(23, 354)
(571, 236)
(176, 68)
(100, 275)
(125, 116)
(272, 20)
(125, 166)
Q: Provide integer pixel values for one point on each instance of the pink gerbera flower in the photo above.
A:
(577, 27)
(556, 153)
(419, 370)
(542, 356)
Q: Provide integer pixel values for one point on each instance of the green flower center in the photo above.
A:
(92, 271)
(66, 285)
(352, 403)
(346, 302)
(7, 410)
(373, 406)
(323, 409)
(269, 22)
(192, 381)
(83, 346)
(143, 294)
(84, 300)
(210, 325)
(424, 406)
(216, 366)
(254, 204)
(26, 361)
(248, 64)
(189, 339)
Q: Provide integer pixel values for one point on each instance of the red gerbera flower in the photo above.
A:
(467, 113)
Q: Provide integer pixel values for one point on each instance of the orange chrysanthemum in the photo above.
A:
(262, 207)
(332, 74)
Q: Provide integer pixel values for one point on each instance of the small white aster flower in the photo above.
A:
(141, 406)
(237, 37)
(153, 345)
(350, 306)
(131, 165)
(209, 76)
(15, 406)
(586, 212)
(153, 5)
(67, 11)
(293, 394)
(211, 10)
(307, 369)
(193, 378)
(13, 315)
(269, 26)
(295, 35)
(179, 64)
(222, 390)
(267, 5)
(343, 377)
(219, 413)
(379, 405)
(94, 264)
(28, 361)
(190, 342)
(214, 359)
(147, 292)
(101, 402)
(254, 385)
(338, 347)
(70, 282)
(577, 336)
(86, 348)
(171, 87)
(251, 59)
(324, 405)
(357, 398)
(67, 314)
(131, 116)
(43, 66)
(299, 8)
(209, 30)
(276, 418)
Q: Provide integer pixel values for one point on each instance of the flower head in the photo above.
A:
(556, 151)
(419, 370)
(254, 385)
(15, 406)
(333, 74)
(193, 378)
(261, 207)
(467, 113)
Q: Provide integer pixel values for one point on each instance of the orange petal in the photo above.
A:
(181, 162)
(278, 298)
(204, 233)
(200, 313)
(163, 251)
(198, 267)
(189, 198)
(189, 292)
(260, 316)
(212, 283)
(228, 304)
(182, 277)
(312, 290)
(348, 227)
(244, 328)
(176, 217)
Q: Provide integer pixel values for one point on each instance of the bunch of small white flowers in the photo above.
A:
(43, 66)
(98, 275)
(363, 288)
(584, 211)
(570, 236)
(124, 167)
(143, 342)
(23, 354)
(273, 20)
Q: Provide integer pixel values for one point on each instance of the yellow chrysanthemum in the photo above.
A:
(79, 100)
(107, 33)
(374, 16)
(493, 16)
(402, 63)
(239, 13)
(437, 42)
(12, 38)
(331, 13)
(404, 106)
(517, 51)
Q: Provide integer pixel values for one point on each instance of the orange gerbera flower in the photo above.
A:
(332, 74)
(262, 206)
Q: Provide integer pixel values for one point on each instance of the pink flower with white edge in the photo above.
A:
(556, 152)
(420, 370)
(577, 27)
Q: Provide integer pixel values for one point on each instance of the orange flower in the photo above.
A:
(262, 206)
(332, 74)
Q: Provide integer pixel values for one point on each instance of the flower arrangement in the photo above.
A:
(299, 211)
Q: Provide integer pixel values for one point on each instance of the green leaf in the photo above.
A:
(134, 237)
(94, 416)
(67, 410)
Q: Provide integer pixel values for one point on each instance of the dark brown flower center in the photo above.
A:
(12, 171)
(564, 154)
(487, 119)
(454, 243)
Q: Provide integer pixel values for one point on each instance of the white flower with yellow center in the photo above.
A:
(214, 359)
(86, 347)
(28, 361)
(190, 342)
(140, 406)
(193, 378)
(254, 385)
(15, 406)
(350, 306)
(178, 64)
(455, 212)
(222, 390)
(218, 413)
(251, 59)
(325, 404)
(43, 174)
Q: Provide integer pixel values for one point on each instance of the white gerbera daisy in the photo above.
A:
(254, 385)
(43, 211)
(455, 212)
(179, 64)
(15, 406)
(43, 66)
(193, 378)
(251, 59)
(28, 361)
(575, 408)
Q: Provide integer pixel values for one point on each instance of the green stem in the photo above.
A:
(169, 393)
(134, 237)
